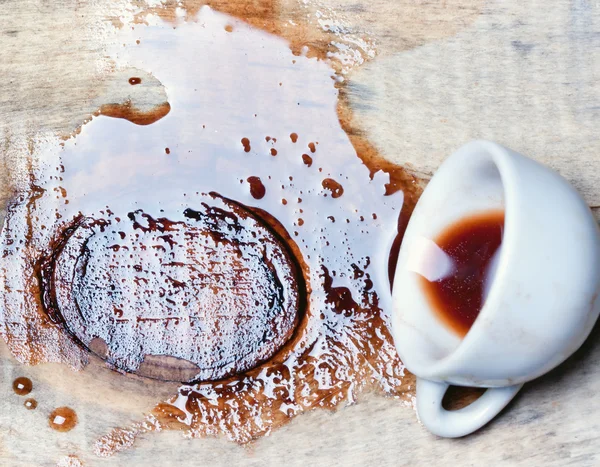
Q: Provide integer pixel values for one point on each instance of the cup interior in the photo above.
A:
(468, 183)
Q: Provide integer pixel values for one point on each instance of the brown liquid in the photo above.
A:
(135, 80)
(257, 189)
(403, 219)
(22, 386)
(307, 160)
(340, 347)
(167, 151)
(334, 187)
(246, 144)
(471, 243)
(128, 112)
(294, 137)
(201, 259)
(62, 419)
(30, 404)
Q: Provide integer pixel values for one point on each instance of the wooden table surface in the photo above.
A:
(425, 77)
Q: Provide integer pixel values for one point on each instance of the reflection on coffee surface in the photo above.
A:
(250, 258)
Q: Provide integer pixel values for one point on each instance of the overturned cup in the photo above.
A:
(538, 298)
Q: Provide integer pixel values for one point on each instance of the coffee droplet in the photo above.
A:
(307, 160)
(334, 187)
(246, 144)
(257, 189)
(167, 150)
(30, 404)
(135, 80)
(62, 419)
(198, 287)
(273, 151)
(22, 386)
(229, 28)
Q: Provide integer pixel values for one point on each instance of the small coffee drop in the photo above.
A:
(135, 80)
(246, 144)
(294, 137)
(62, 419)
(307, 160)
(334, 187)
(257, 189)
(22, 386)
(30, 404)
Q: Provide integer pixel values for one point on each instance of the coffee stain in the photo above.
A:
(340, 348)
(130, 112)
(267, 16)
(164, 279)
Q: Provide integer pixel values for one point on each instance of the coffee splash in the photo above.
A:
(113, 168)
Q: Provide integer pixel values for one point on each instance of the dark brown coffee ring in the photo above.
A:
(212, 294)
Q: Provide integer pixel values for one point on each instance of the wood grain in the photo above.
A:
(446, 72)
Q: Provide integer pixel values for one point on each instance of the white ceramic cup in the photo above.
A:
(541, 303)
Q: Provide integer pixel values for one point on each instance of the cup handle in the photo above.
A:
(457, 423)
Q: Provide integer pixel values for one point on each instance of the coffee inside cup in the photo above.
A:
(460, 268)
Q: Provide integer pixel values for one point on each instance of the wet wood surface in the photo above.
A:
(442, 73)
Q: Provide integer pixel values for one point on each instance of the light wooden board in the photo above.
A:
(446, 72)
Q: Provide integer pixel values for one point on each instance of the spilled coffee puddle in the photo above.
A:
(211, 286)
(249, 258)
